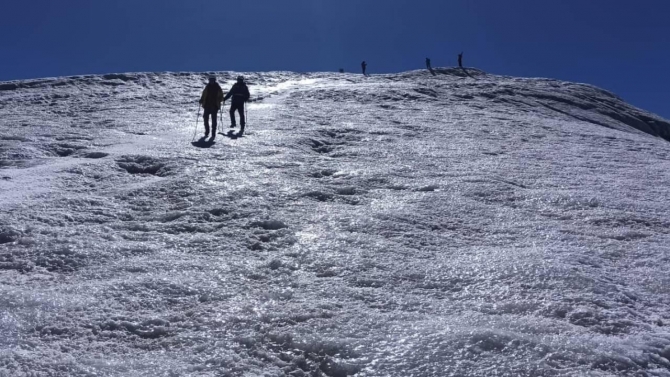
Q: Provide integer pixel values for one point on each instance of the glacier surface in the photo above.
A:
(391, 225)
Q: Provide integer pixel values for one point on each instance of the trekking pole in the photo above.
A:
(196, 124)
(223, 106)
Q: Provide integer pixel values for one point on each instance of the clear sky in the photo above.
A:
(620, 45)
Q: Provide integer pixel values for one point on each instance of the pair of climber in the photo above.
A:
(212, 97)
(430, 67)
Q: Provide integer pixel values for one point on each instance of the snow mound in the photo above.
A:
(143, 165)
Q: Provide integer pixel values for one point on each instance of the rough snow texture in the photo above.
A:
(394, 225)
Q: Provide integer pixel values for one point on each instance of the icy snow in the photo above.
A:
(391, 225)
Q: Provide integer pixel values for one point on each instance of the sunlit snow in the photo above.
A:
(392, 225)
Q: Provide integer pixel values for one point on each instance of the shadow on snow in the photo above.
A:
(203, 143)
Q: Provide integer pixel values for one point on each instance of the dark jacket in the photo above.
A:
(212, 96)
(239, 92)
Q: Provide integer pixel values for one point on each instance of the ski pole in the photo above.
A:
(196, 124)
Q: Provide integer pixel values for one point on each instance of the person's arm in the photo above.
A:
(228, 95)
(203, 97)
(247, 95)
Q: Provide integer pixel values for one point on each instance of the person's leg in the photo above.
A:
(206, 118)
(232, 116)
(243, 120)
(214, 113)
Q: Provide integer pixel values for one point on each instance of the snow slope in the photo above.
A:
(394, 225)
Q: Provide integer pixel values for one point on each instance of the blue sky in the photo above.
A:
(620, 45)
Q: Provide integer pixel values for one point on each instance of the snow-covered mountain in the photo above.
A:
(392, 225)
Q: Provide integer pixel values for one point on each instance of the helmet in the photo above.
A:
(212, 78)
(240, 78)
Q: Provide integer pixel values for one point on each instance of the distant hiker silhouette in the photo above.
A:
(211, 99)
(364, 66)
(430, 68)
(460, 64)
(341, 70)
(240, 94)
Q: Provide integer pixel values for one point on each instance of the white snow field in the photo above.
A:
(391, 225)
